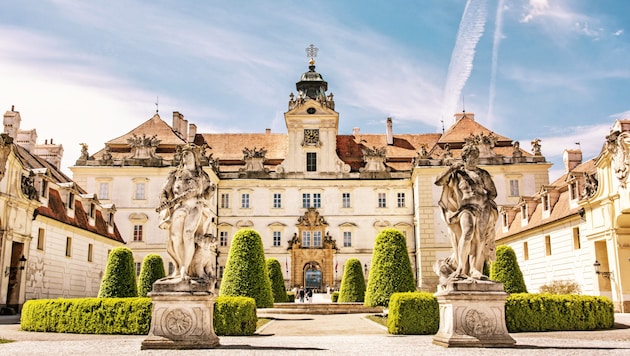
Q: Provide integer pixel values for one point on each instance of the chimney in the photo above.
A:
(390, 135)
(192, 132)
(461, 115)
(180, 126)
(571, 159)
(267, 131)
(184, 127)
(356, 131)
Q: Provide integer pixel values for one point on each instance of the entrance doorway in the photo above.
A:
(313, 276)
(15, 275)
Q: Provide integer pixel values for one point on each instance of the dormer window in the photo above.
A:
(92, 210)
(70, 200)
(573, 190)
(44, 188)
(545, 203)
(524, 212)
(504, 219)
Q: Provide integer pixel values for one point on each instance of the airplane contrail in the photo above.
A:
(496, 43)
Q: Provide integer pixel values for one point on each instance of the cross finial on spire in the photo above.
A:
(311, 52)
(157, 108)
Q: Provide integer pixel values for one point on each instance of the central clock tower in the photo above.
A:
(312, 125)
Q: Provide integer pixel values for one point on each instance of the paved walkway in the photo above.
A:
(302, 334)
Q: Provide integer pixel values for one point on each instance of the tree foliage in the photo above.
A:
(245, 274)
(274, 271)
(391, 269)
(353, 283)
(152, 270)
(506, 270)
(119, 280)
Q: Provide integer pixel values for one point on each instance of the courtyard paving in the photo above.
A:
(304, 334)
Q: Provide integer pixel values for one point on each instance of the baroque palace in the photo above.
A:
(318, 197)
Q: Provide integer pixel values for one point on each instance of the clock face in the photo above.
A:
(311, 136)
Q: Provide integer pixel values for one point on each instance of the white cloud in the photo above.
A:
(618, 32)
(535, 9)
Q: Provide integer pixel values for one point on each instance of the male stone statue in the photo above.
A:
(469, 210)
(185, 211)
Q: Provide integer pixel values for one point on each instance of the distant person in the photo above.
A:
(301, 293)
(309, 295)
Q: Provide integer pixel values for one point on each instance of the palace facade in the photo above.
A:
(316, 196)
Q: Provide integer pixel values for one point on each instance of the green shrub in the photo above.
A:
(413, 313)
(290, 297)
(506, 270)
(334, 297)
(353, 283)
(119, 280)
(274, 271)
(88, 315)
(549, 312)
(234, 316)
(391, 269)
(561, 287)
(152, 270)
(245, 274)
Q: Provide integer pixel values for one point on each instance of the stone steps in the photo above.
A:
(320, 308)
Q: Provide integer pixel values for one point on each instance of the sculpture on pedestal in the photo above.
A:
(468, 208)
(185, 212)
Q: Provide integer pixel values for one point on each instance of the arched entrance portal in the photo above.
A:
(312, 252)
(313, 276)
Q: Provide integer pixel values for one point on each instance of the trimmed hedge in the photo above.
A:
(413, 313)
(130, 316)
(245, 273)
(119, 280)
(152, 270)
(391, 269)
(290, 297)
(334, 297)
(274, 271)
(552, 312)
(506, 270)
(352, 288)
(234, 316)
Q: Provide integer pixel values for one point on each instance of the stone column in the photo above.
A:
(472, 314)
(182, 318)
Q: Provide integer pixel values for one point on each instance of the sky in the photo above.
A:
(91, 71)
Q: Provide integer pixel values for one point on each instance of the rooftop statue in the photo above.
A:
(185, 212)
(469, 210)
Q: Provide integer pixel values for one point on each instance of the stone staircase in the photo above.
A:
(319, 308)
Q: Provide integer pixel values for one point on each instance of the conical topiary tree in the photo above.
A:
(152, 270)
(506, 270)
(274, 271)
(353, 283)
(391, 269)
(119, 280)
(245, 274)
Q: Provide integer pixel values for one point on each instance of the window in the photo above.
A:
(525, 251)
(40, 239)
(277, 200)
(573, 189)
(223, 238)
(345, 200)
(225, 201)
(44, 190)
(547, 245)
(524, 212)
(245, 200)
(401, 200)
(382, 200)
(306, 239)
(221, 268)
(317, 200)
(277, 238)
(576, 238)
(545, 202)
(111, 219)
(140, 191)
(311, 162)
(171, 268)
(514, 192)
(306, 200)
(92, 210)
(138, 266)
(137, 232)
(103, 191)
(68, 246)
(317, 239)
(504, 218)
(90, 256)
(347, 239)
(70, 200)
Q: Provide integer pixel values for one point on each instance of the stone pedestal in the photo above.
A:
(182, 316)
(472, 314)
